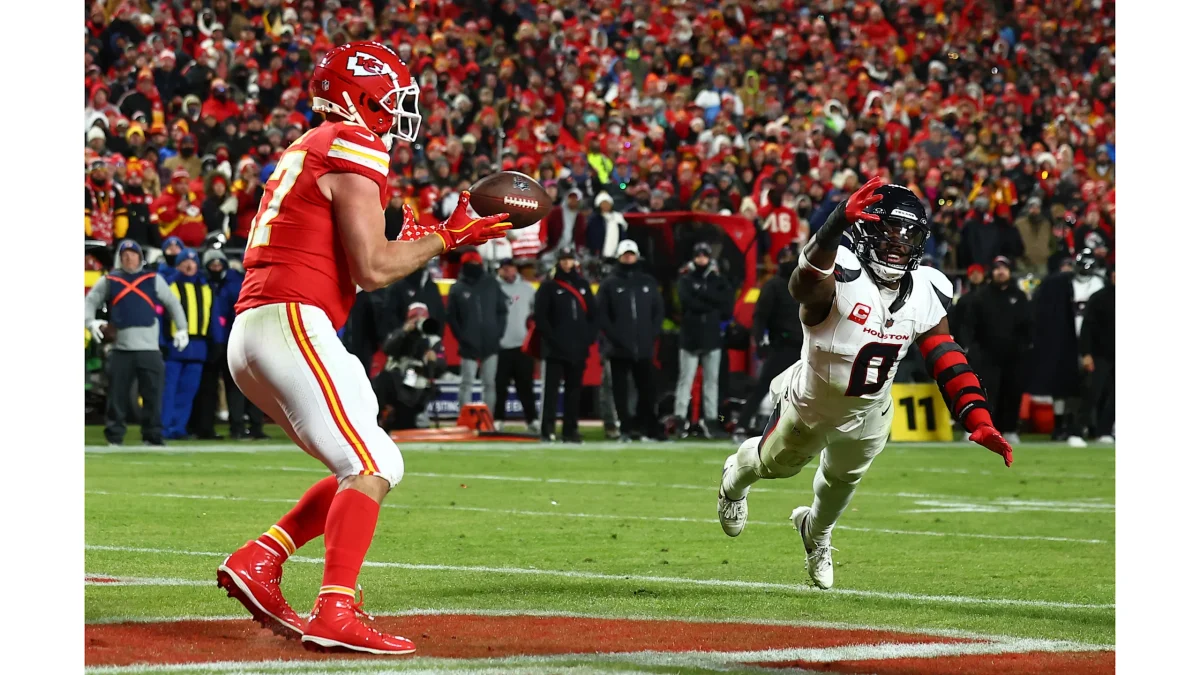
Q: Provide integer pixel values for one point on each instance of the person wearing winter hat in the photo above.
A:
(97, 139)
(997, 331)
(629, 314)
(706, 299)
(563, 308)
(514, 365)
(137, 201)
(105, 210)
(130, 292)
(178, 210)
(605, 227)
(777, 333)
(172, 247)
(184, 359)
(225, 283)
(477, 312)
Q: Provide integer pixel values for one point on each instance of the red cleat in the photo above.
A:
(334, 626)
(252, 575)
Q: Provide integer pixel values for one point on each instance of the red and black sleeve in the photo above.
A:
(964, 395)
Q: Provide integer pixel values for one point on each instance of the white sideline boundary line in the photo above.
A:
(610, 516)
(682, 581)
(558, 614)
(90, 579)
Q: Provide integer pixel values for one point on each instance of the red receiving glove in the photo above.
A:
(861, 199)
(411, 230)
(987, 436)
(460, 229)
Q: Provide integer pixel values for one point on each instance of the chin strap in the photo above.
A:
(964, 396)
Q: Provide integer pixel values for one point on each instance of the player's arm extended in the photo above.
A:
(375, 262)
(964, 396)
(812, 283)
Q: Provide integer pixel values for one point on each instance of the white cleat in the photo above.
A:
(731, 512)
(1106, 439)
(820, 557)
(1076, 442)
(1013, 438)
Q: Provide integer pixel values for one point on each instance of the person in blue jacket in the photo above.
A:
(185, 366)
(226, 284)
(171, 249)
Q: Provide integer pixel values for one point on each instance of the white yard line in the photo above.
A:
(643, 578)
(605, 516)
(102, 580)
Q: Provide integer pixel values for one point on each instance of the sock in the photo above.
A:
(305, 522)
(348, 533)
(831, 496)
(737, 481)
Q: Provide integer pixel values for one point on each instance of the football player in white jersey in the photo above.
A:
(861, 311)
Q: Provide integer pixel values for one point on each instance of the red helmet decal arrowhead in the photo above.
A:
(364, 65)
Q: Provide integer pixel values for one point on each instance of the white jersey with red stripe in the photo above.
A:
(850, 358)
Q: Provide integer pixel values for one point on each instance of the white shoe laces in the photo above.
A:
(822, 557)
(731, 509)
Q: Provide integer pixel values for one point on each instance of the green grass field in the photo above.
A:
(939, 537)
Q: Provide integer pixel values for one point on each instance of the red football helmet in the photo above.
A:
(366, 82)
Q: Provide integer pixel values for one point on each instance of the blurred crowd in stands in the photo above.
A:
(1000, 114)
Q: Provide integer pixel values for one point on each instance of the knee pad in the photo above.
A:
(787, 447)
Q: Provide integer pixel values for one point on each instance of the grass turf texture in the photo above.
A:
(645, 511)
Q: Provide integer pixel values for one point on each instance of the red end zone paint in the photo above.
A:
(475, 636)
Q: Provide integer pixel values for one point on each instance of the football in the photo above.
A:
(516, 194)
(109, 332)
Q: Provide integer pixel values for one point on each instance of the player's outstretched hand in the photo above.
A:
(411, 230)
(460, 229)
(988, 437)
(861, 199)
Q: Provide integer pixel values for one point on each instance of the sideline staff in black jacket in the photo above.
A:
(777, 332)
(1098, 347)
(562, 314)
(477, 312)
(629, 311)
(997, 331)
(706, 299)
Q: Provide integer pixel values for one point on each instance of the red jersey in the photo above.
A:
(782, 226)
(294, 252)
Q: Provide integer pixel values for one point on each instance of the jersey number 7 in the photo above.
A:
(871, 367)
(278, 185)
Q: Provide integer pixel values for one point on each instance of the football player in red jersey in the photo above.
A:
(319, 236)
(782, 225)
